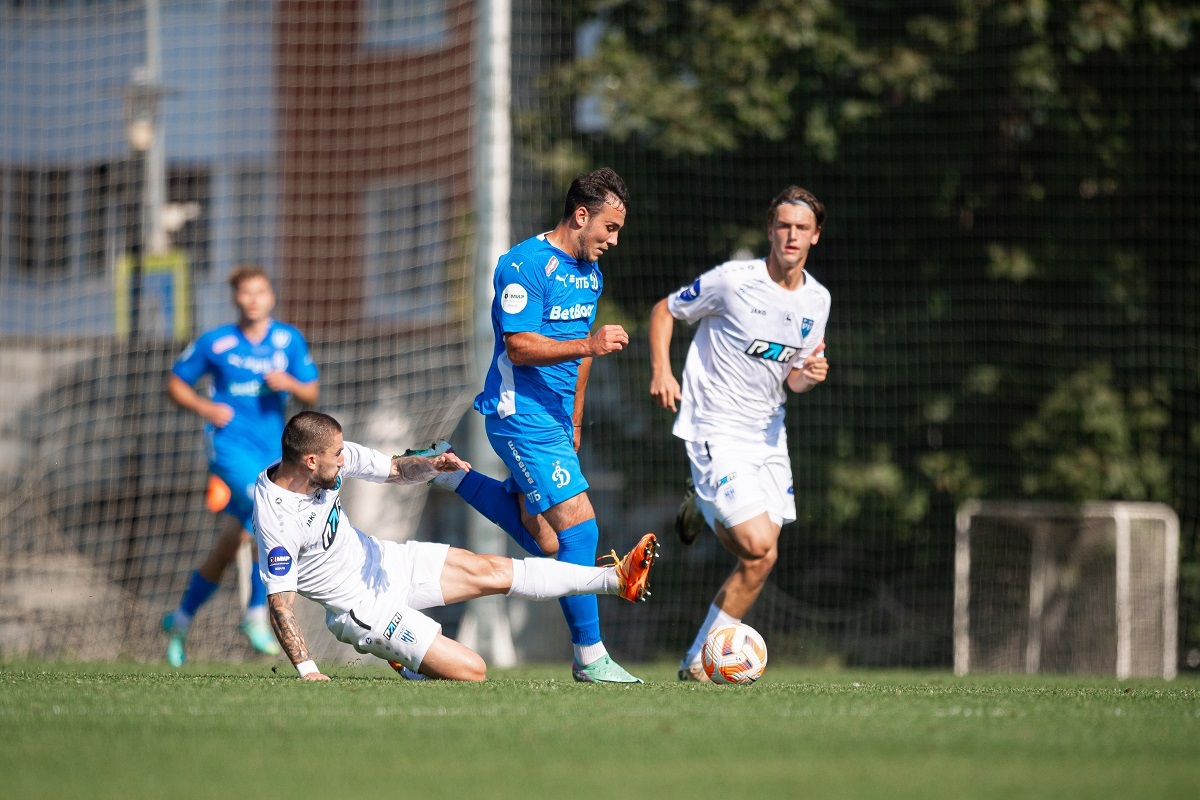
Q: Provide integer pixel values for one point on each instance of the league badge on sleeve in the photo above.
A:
(279, 561)
(514, 298)
(691, 292)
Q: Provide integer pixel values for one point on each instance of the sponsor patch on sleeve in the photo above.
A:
(691, 292)
(514, 298)
(279, 561)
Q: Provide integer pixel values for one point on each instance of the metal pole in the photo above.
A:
(485, 625)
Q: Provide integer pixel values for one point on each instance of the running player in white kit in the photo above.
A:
(762, 328)
(373, 591)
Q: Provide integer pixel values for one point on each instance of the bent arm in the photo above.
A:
(410, 470)
(187, 398)
(812, 372)
(528, 349)
(581, 382)
(287, 631)
(663, 386)
(307, 392)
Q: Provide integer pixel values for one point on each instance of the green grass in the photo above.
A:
(229, 731)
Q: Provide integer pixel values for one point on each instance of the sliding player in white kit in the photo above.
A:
(373, 591)
(762, 327)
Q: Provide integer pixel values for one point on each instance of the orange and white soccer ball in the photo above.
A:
(734, 653)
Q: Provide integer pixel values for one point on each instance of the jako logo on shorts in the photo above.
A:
(771, 351)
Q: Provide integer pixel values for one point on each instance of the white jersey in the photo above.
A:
(752, 333)
(306, 543)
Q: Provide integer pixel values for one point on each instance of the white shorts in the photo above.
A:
(391, 624)
(738, 481)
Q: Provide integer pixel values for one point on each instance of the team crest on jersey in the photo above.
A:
(279, 561)
(331, 524)
(690, 293)
(805, 327)
(224, 344)
(281, 338)
(551, 265)
(771, 351)
(279, 361)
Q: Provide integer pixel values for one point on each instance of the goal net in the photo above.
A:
(330, 144)
(1048, 587)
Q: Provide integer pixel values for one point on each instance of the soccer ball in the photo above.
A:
(734, 653)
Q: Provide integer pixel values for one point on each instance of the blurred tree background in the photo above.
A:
(1011, 245)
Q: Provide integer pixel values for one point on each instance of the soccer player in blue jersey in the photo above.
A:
(547, 288)
(254, 365)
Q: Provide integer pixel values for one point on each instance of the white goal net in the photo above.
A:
(1051, 587)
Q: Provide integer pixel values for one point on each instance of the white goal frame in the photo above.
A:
(1121, 514)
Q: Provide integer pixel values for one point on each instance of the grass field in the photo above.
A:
(239, 730)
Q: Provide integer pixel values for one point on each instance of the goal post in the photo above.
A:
(1060, 587)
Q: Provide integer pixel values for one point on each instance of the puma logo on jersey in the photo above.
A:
(771, 351)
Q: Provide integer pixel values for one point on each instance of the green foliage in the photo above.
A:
(1013, 188)
(1090, 442)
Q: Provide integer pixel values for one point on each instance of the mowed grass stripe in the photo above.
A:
(134, 730)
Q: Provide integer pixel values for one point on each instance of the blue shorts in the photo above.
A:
(239, 469)
(539, 451)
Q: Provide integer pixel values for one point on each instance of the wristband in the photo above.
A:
(307, 667)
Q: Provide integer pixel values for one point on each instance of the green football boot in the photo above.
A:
(602, 670)
(176, 639)
(261, 637)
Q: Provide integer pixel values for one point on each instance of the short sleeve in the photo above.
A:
(192, 362)
(300, 361)
(701, 298)
(519, 299)
(277, 553)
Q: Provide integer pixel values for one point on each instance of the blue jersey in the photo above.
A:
(236, 367)
(539, 289)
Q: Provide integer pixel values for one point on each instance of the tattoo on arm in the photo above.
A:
(409, 470)
(287, 630)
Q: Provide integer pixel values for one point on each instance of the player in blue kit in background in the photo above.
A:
(254, 366)
(547, 288)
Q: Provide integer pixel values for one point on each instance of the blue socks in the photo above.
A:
(489, 497)
(258, 590)
(197, 593)
(577, 545)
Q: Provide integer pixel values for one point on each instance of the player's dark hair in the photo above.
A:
(796, 195)
(308, 432)
(595, 189)
(245, 272)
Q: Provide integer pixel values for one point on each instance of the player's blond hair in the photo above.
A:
(244, 272)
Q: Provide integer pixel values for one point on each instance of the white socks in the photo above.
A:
(588, 653)
(255, 614)
(181, 620)
(716, 618)
(546, 579)
(450, 480)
